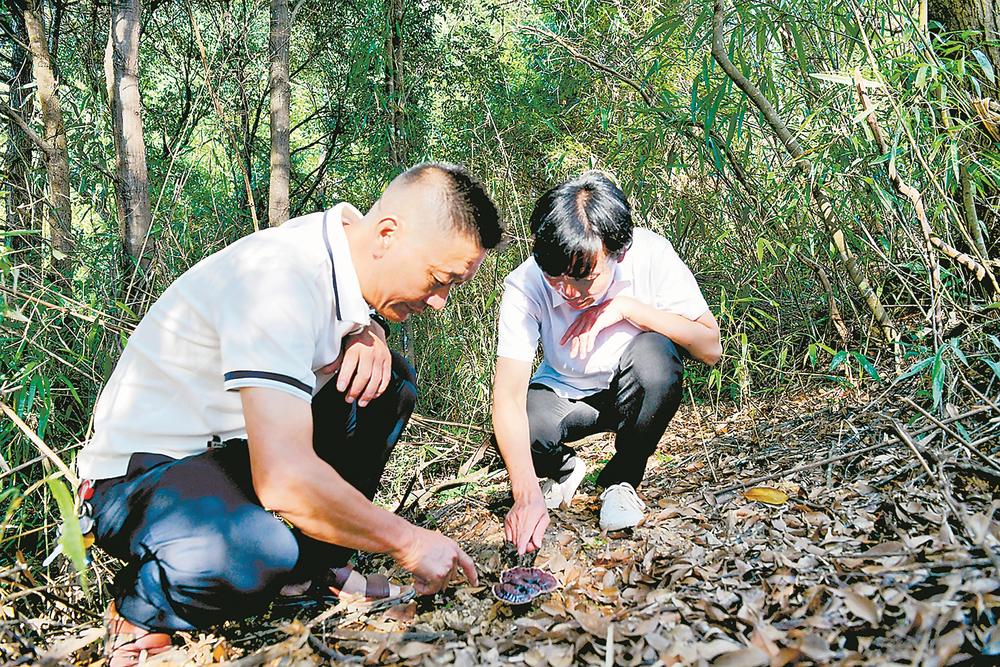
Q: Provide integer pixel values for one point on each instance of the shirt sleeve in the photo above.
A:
(520, 325)
(268, 319)
(675, 288)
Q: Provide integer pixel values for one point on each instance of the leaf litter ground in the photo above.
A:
(885, 557)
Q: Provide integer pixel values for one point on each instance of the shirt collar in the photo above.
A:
(554, 296)
(349, 303)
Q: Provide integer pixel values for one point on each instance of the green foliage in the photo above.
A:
(70, 538)
(527, 93)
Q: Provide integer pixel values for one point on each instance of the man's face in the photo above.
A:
(420, 272)
(581, 293)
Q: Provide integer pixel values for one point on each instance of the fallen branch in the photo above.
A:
(335, 656)
(945, 486)
(807, 466)
(479, 476)
(905, 437)
(835, 316)
(944, 427)
(282, 650)
(832, 459)
(425, 636)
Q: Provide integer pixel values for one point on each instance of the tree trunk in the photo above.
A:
(277, 205)
(19, 147)
(60, 213)
(132, 182)
(243, 148)
(982, 16)
(398, 149)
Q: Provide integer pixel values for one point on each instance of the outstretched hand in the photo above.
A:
(434, 561)
(364, 367)
(582, 334)
(525, 523)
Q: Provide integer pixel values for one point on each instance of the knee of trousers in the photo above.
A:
(544, 432)
(248, 552)
(656, 364)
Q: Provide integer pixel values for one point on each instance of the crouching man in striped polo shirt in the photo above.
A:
(240, 440)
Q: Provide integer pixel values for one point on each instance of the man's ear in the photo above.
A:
(386, 230)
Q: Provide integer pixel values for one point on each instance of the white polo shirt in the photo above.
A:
(531, 310)
(267, 311)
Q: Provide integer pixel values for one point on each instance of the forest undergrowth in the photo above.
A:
(871, 543)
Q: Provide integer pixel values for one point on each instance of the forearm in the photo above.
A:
(510, 424)
(700, 340)
(314, 498)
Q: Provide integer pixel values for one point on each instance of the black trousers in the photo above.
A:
(199, 547)
(644, 395)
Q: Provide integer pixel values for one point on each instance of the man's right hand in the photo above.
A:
(526, 522)
(433, 559)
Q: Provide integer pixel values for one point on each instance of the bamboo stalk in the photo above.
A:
(820, 199)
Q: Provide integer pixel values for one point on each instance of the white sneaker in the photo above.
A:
(622, 508)
(560, 494)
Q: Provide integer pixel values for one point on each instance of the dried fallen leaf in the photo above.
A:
(746, 657)
(767, 495)
(862, 607)
(949, 644)
(595, 624)
(717, 647)
(991, 645)
(63, 649)
(402, 612)
(221, 652)
(413, 649)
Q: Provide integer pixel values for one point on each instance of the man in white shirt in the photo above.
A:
(609, 304)
(240, 440)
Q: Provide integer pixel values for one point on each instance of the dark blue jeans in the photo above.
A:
(198, 546)
(644, 395)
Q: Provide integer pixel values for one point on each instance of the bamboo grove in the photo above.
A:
(829, 170)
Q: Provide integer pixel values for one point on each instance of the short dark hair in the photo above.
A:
(575, 220)
(466, 200)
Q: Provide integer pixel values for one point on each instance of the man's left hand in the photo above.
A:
(364, 367)
(582, 334)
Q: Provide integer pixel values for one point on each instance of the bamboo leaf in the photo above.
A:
(937, 378)
(867, 365)
(767, 495)
(916, 368)
(71, 539)
(985, 63)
